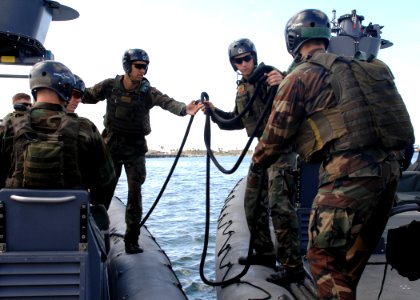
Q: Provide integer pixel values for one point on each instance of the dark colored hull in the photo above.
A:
(147, 275)
(232, 241)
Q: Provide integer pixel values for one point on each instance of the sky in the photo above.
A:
(187, 42)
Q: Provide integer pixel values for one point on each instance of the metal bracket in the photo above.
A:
(83, 227)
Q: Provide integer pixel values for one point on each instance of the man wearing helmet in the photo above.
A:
(78, 91)
(280, 186)
(53, 149)
(127, 122)
(21, 103)
(356, 184)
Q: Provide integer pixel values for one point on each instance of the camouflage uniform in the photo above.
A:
(279, 189)
(94, 163)
(126, 125)
(356, 189)
(14, 114)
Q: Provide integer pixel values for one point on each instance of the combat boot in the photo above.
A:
(132, 247)
(285, 276)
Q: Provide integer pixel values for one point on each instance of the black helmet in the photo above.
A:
(306, 25)
(132, 55)
(239, 47)
(80, 84)
(54, 76)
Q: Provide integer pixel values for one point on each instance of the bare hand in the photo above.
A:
(274, 77)
(209, 104)
(192, 108)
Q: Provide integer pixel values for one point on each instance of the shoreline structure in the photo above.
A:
(194, 152)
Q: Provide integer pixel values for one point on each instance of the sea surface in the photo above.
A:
(178, 221)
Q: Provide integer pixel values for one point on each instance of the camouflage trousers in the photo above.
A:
(347, 220)
(136, 175)
(129, 153)
(277, 201)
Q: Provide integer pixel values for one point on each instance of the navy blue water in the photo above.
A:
(178, 221)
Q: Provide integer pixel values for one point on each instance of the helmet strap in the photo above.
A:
(238, 80)
(297, 57)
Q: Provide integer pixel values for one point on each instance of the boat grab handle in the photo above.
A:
(42, 199)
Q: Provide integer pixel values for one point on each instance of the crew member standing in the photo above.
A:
(325, 108)
(127, 123)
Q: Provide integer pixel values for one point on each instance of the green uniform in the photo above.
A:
(357, 185)
(279, 189)
(14, 114)
(127, 122)
(72, 157)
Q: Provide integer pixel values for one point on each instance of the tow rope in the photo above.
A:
(259, 78)
(204, 97)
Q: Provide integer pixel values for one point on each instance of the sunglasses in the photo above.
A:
(239, 60)
(140, 66)
(77, 94)
(26, 104)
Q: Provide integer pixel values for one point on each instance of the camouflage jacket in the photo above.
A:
(14, 114)
(244, 93)
(94, 162)
(304, 91)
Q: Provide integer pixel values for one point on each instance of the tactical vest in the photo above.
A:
(128, 112)
(45, 160)
(14, 114)
(250, 119)
(369, 110)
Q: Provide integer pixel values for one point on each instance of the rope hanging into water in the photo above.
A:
(210, 155)
(257, 77)
(204, 97)
(236, 278)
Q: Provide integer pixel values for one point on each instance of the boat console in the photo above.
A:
(50, 245)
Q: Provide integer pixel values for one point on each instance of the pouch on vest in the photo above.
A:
(403, 250)
(128, 112)
(318, 130)
(43, 162)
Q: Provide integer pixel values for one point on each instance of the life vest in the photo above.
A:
(128, 112)
(369, 110)
(45, 160)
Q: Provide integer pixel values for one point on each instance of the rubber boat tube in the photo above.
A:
(146, 275)
(232, 241)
